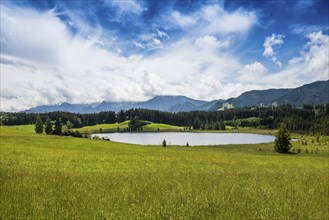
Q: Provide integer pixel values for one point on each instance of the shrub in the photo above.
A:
(164, 143)
(77, 134)
(86, 134)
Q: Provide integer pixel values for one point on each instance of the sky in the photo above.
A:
(128, 50)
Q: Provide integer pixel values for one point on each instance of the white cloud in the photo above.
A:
(311, 65)
(211, 42)
(317, 55)
(55, 66)
(127, 6)
(156, 42)
(270, 42)
(220, 21)
(252, 72)
(213, 19)
(183, 20)
(307, 29)
(162, 34)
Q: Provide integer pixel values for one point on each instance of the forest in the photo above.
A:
(309, 119)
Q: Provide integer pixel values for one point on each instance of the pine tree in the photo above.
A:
(58, 127)
(38, 127)
(48, 126)
(282, 140)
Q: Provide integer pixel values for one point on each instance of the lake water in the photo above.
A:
(193, 138)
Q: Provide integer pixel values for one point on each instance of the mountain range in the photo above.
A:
(313, 93)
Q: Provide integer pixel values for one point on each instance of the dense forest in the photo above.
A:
(309, 119)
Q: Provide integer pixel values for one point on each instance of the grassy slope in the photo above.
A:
(114, 127)
(165, 127)
(53, 177)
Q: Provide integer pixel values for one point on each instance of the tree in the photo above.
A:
(236, 122)
(38, 127)
(121, 116)
(197, 123)
(216, 126)
(69, 125)
(58, 127)
(48, 126)
(222, 125)
(135, 124)
(282, 140)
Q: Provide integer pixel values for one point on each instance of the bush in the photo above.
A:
(77, 134)
(164, 143)
(86, 134)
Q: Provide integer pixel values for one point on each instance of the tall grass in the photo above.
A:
(51, 177)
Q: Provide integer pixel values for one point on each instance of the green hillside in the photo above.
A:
(53, 177)
(114, 127)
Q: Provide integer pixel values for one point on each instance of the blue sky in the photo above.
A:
(90, 51)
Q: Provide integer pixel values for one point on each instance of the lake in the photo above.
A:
(181, 138)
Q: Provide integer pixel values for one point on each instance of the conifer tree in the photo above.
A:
(48, 126)
(282, 140)
(38, 127)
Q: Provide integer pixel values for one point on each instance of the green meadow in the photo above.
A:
(54, 177)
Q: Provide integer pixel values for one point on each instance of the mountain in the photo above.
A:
(313, 93)
(65, 107)
(171, 103)
(161, 103)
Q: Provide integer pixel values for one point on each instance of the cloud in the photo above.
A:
(316, 55)
(220, 21)
(307, 29)
(127, 6)
(156, 42)
(162, 34)
(311, 65)
(313, 62)
(194, 54)
(213, 19)
(54, 66)
(252, 71)
(269, 43)
(211, 42)
(183, 20)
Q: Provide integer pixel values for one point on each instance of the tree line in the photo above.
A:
(309, 119)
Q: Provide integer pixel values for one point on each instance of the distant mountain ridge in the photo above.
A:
(313, 93)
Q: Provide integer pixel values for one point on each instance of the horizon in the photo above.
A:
(88, 52)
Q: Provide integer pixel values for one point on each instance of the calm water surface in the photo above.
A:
(181, 138)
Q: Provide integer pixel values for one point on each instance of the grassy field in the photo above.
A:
(52, 177)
